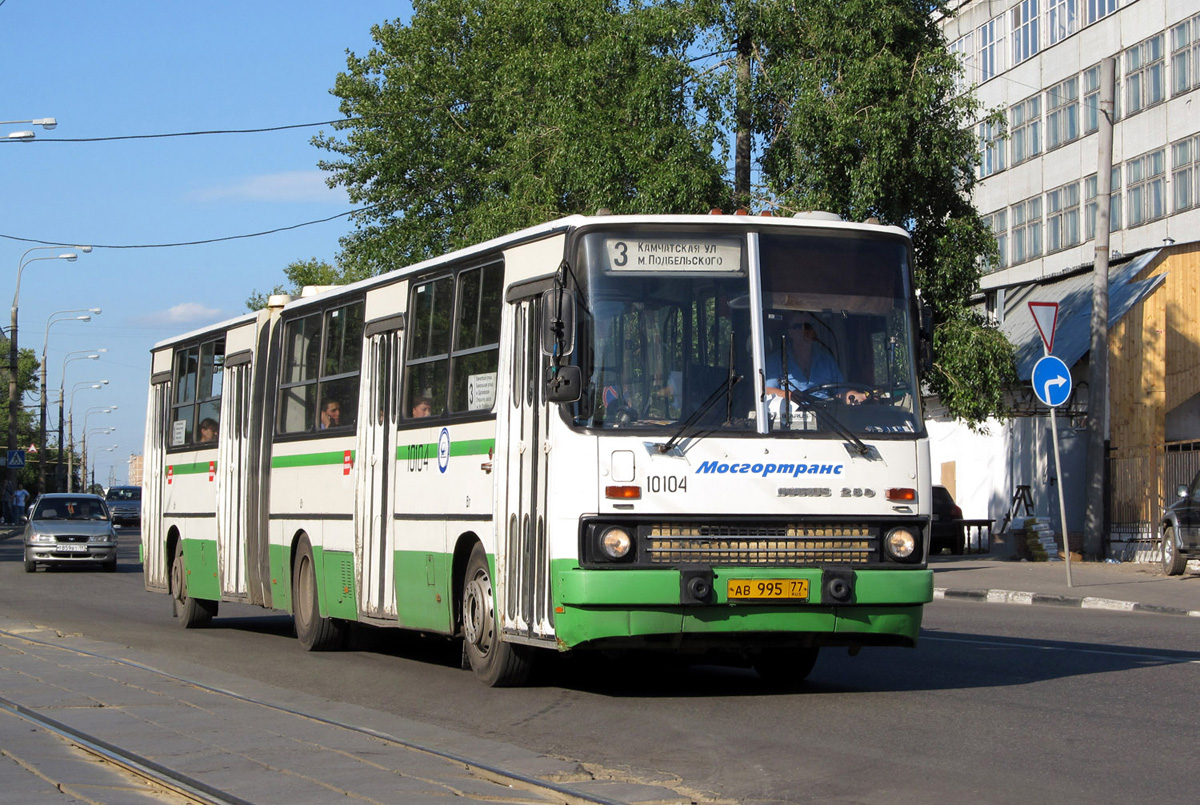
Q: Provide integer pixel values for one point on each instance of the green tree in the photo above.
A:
(480, 117)
(28, 418)
(299, 274)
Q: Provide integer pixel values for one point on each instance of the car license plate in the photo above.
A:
(767, 589)
(67, 547)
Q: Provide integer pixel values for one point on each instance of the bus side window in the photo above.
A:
(428, 366)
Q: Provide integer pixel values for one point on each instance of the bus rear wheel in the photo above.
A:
(495, 662)
(191, 612)
(315, 632)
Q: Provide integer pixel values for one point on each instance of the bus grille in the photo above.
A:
(781, 546)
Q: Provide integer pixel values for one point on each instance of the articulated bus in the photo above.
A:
(687, 433)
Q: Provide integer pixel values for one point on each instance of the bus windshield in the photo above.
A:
(671, 332)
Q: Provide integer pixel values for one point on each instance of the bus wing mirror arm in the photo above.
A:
(925, 338)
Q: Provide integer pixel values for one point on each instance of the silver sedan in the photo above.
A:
(70, 529)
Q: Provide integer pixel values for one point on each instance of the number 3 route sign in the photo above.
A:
(1051, 381)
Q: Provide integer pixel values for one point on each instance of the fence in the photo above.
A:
(1142, 482)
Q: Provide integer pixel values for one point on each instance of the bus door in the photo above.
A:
(375, 464)
(522, 556)
(154, 563)
(232, 476)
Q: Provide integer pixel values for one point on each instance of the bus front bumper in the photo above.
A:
(635, 607)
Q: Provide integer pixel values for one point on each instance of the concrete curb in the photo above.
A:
(1048, 599)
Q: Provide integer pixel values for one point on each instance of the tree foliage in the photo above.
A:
(480, 117)
(299, 273)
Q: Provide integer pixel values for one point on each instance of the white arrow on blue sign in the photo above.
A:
(1051, 381)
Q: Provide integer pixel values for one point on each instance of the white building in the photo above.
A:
(1039, 61)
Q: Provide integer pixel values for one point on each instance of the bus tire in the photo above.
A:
(496, 663)
(315, 633)
(785, 666)
(191, 612)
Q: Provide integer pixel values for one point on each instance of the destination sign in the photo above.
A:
(674, 253)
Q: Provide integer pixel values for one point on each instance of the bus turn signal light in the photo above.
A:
(623, 492)
(902, 494)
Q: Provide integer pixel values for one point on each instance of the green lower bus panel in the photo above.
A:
(338, 596)
(281, 577)
(200, 559)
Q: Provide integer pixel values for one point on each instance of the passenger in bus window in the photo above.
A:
(208, 430)
(422, 407)
(331, 414)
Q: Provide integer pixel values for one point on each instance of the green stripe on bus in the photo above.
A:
(311, 459)
(190, 469)
(465, 447)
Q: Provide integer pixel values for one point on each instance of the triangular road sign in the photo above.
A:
(1045, 316)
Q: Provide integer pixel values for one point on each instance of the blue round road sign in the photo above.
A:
(1051, 381)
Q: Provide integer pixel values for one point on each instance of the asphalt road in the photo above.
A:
(999, 703)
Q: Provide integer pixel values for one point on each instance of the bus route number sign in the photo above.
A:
(767, 589)
(683, 253)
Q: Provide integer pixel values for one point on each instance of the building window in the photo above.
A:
(1025, 40)
(998, 222)
(1025, 129)
(961, 48)
(199, 372)
(318, 387)
(1062, 113)
(1185, 172)
(1185, 56)
(1147, 187)
(1063, 19)
(1099, 9)
(1145, 74)
(991, 48)
(1091, 206)
(1027, 230)
(991, 149)
(1091, 100)
(1062, 217)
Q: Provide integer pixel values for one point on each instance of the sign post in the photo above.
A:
(1052, 384)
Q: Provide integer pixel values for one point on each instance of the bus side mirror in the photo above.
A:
(925, 338)
(558, 323)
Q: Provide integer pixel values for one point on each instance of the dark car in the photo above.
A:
(67, 529)
(1180, 528)
(946, 530)
(125, 503)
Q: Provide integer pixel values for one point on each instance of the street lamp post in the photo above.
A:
(52, 320)
(95, 384)
(78, 355)
(83, 460)
(13, 363)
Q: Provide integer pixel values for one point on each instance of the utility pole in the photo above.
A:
(1094, 537)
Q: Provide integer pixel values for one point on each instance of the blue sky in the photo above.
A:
(138, 67)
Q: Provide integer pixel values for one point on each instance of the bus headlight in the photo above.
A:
(900, 544)
(615, 543)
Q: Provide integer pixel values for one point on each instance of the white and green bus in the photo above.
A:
(690, 433)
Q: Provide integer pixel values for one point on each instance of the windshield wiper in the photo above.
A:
(812, 403)
(726, 389)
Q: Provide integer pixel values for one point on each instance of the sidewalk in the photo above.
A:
(1130, 586)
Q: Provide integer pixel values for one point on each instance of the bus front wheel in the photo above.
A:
(191, 612)
(496, 662)
(315, 632)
